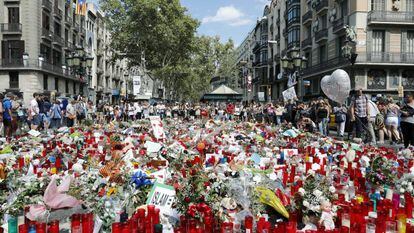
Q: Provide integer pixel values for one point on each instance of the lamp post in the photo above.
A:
(81, 64)
(294, 64)
(349, 53)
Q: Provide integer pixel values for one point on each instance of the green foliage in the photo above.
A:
(165, 33)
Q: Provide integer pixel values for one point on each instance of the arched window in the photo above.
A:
(377, 79)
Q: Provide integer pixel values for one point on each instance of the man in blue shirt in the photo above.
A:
(7, 115)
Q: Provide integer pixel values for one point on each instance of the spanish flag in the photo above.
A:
(81, 7)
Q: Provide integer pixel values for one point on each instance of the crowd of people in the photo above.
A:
(361, 118)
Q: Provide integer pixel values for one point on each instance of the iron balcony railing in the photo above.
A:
(11, 27)
(47, 4)
(34, 64)
(307, 17)
(323, 4)
(326, 65)
(57, 11)
(338, 25)
(57, 39)
(291, 2)
(386, 57)
(321, 34)
(307, 42)
(390, 17)
(46, 34)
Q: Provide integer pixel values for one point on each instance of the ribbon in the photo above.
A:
(140, 179)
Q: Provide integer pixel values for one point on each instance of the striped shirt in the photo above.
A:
(360, 106)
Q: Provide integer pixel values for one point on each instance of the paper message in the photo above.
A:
(157, 127)
(162, 196)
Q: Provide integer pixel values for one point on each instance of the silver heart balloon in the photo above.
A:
(336, 86)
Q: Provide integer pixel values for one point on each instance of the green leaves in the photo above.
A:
(165, 33)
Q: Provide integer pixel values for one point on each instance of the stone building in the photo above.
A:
(383, 46)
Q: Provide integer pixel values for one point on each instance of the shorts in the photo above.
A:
(36, 120)
(391, 121)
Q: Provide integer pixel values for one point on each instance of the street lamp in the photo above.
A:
(294, 64)
(80, 64)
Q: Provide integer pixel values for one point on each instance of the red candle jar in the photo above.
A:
(40, 227)
(54, 227)
(24, 228)
(116, 227)
(76, 224)
(408, 205)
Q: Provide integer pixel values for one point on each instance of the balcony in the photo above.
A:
(11, 28)
(307, 43)
(338, 26)
(12, 1)
(295, 20)
(35, 64)
(307, 18)
(322, 6)
(46, 34)
(46, 4)
(321, 35)
(57, 40)
(82, 31)
(391, 17)
(292, 2)
(386, 57)
(57, 12)
(69, 46)
(76, 27)
(326, 66)
(68, 20)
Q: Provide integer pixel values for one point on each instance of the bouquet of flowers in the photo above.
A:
(405, 184)
(382, 172)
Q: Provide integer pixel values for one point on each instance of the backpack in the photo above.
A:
(340, 116)
(379, 121)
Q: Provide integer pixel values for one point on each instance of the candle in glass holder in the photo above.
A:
(24, 228)
(391, 227)
(402, 222)
(116, 227)
(248, 224)
(346, 221)
(54, 227)
(76, 224)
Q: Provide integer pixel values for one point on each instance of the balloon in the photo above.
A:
(336, 86)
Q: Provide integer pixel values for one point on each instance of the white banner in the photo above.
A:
(289, 94)
(137, 84)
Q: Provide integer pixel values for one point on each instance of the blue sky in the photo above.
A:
(225, 18)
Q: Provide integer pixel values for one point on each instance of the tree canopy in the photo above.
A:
(165, 33)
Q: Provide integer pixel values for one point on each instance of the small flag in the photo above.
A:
(81, 7)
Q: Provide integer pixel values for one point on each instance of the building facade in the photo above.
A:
(382, 40)
(37, 36)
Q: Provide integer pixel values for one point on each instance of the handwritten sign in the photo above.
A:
(157, 127)
(289, 94)
(162, 196)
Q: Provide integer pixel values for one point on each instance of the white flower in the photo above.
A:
(402, 190)
(306, 204)
(332, 189)
(311, 172)
(301, 191)
(317, 193)
(410, 188)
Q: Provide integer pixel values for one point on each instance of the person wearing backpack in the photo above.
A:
(55, 115)
(340, 119)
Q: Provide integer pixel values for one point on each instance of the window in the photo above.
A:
(45, 21)
(394, 79)
(315, 86)
(408, 79)
(45, 51)
(410, 5)
(378, 5)
(344, 8)
(67, 86)
(339, 45)
(74, 88)
(14, 80)
(12, 51)
(294, 14)
(377, 79)
(45, 80)
(293, 37)
(410, 42)
(378, 45)
(57, 58)
(322, 54)
(14, 15)
(66, 34)
(58, 30)
(324, 21)
(57, 84)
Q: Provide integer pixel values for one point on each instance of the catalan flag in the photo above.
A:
(81, 7)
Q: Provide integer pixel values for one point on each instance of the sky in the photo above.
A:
(225, 18)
